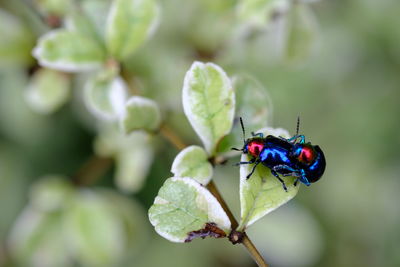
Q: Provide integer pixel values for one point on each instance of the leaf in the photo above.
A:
(209, 103)
(93, 231)
(253, 104)
(51, 193)
(140, 113)
(193, 162)
(105, 96)
(68, 51)
(129, 24)
(133, 154)
(258, 12)
(36, 239)
(47, 91)
(16, 41)
(182, 207)
(301, 33)
(262, 192)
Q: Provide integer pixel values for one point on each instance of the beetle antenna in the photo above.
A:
(298, 125)
(244, 133)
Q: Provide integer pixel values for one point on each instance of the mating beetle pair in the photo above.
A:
(288, 157)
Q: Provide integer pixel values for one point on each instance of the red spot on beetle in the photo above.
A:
(307, 155)
(255, 147)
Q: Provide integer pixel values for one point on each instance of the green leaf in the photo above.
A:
(140, 113)
(253, 104)
(50, 193)
(16, 41)
(258, 12)
(209, 103)
(68, 51)
(38, 235)
(133, 154)
(130, 22)
(105, 96)
(302, 33)
(183, 208)
(193, 162)
(92, 230)
(262, 192)
(47, 91)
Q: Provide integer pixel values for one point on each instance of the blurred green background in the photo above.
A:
(340, 74)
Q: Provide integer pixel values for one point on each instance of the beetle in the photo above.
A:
(288, 157)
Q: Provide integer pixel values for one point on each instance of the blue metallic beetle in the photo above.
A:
(288, 157)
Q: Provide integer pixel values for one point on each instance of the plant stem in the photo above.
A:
(255, 254)
(92, 170)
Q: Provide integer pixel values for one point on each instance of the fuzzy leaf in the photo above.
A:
(262, 192)
(68, 51)
(253, 105)
(93, 231)
(133, 154)
(301, 33)
(47, 91)
(185, 209)
(193, 162)
(209, 103)
(16, 41)
(258, 12)
(105, 96)
(140, 113)
(130, 22)
(36, 239)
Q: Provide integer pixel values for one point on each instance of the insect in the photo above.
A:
(288, 157)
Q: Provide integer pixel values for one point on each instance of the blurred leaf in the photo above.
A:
(68, 51)
(133, 221)
(209, 103)
(16, 41)
(50, 193)
(133, 154)
(36, 239)
(140, 113)
(193, 162)
(184, 207)
(93, 232)
(53, 7)
(47, 91)
(262, 192)
(105, 96)
(97, 12)
(259, 12)
(129, 24)
(301, 33)
(253, 104)
(77, 21)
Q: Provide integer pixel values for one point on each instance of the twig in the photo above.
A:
(92, 170)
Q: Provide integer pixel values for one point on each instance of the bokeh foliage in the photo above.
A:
(336, 67)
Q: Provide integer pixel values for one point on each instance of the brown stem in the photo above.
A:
(92, 170)
(245, 240)
(172, 137)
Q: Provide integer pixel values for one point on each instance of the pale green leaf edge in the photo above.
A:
(213, 206)
(210, 142)
(182, 168)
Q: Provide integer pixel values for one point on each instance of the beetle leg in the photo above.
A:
(245, 162)
(254, 168)
(279, 178)
(295, 182)
(257, 134)
(294, 139)
(303, 178)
